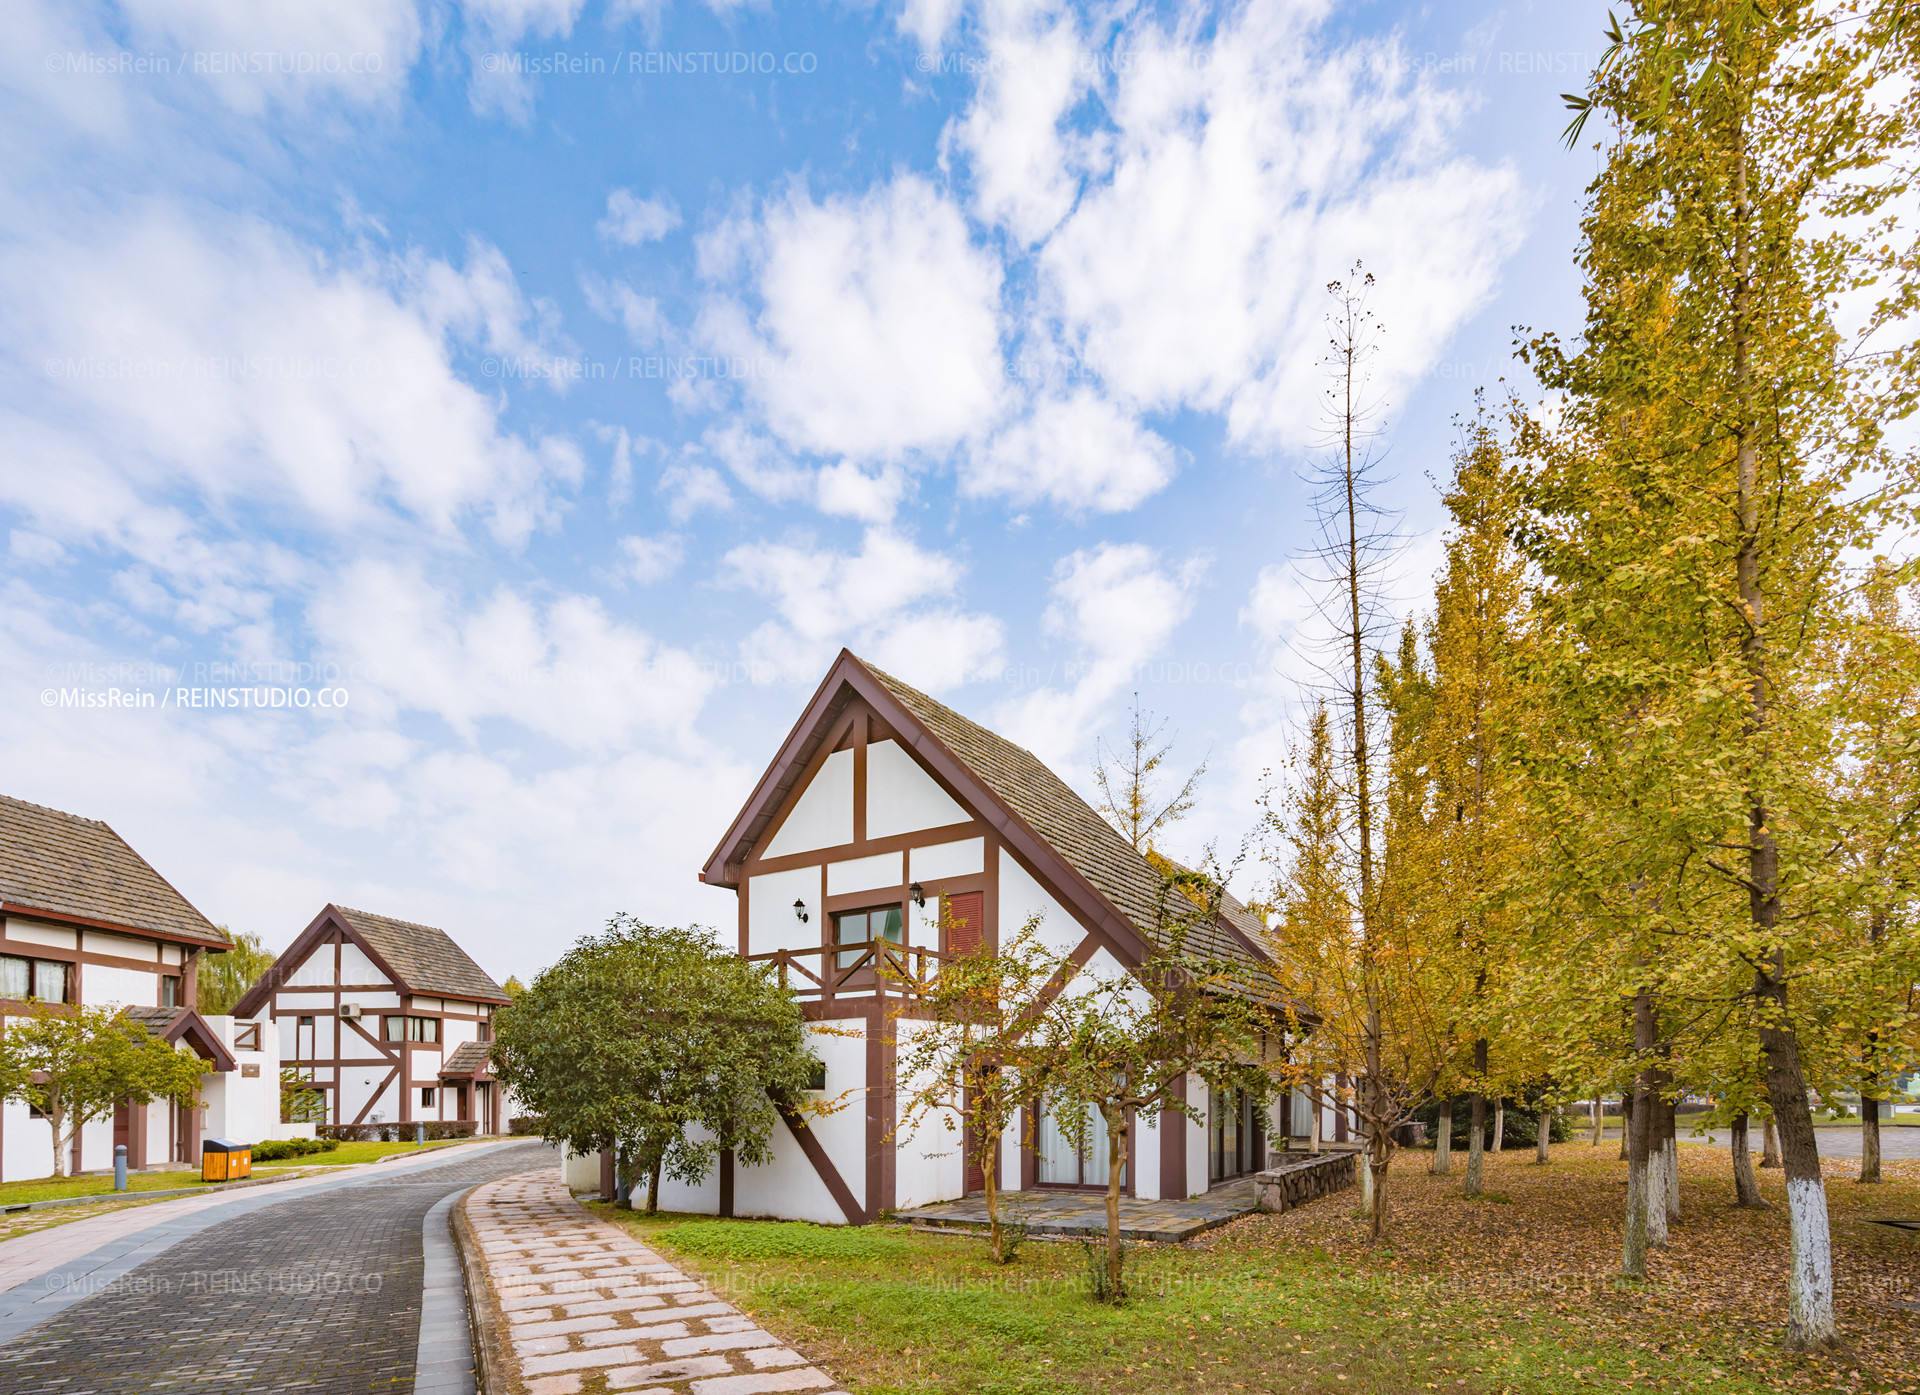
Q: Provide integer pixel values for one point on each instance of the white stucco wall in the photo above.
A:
(1021, 896)
(355, 967)
(102, 986)
(901, 796)
(1146, 1156)
(822, 817)
(238, 1106)
(937, 860)
(1198, 1136)
(929, 1160)
(771, 923)
(885, 870)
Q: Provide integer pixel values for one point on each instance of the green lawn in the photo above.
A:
(101, 1184)
(1513, 1298)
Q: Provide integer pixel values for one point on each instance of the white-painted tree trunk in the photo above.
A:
(1499, 1124)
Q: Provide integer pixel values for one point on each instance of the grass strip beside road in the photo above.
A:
(101, 1183)
(1468, 1297)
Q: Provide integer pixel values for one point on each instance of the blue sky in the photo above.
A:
(560, 384)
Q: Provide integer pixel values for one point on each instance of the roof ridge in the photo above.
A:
(57, 813)
(392, 919)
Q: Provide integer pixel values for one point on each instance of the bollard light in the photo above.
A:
(119, 1167)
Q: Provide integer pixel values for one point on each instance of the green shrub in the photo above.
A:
(751, 1240)
(275, 1149)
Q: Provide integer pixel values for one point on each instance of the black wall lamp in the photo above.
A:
(919, 896)
(800, 910)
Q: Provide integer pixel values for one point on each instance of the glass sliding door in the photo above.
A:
(1058, 1164)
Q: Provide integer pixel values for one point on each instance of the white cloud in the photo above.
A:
(880, 317)
(258, 56)
(1249, 164)
(1114, 606)
(638, 314)
(929, 21)
(564, 670)
(631, 220)
(152, 352)
(1025, 160)
(689, 487)
(884, 599)
(647, 560)
(1077, 450)
(498, 82)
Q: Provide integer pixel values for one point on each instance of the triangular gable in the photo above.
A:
(849, 678)
(319, 932)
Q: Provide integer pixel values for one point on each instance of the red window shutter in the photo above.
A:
(961, 917)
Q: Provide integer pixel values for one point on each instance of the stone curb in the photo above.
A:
(483, 1307)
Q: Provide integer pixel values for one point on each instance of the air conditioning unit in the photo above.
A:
(349, 1010)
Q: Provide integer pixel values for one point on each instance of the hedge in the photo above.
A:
(399, 1133)
(276, 1148)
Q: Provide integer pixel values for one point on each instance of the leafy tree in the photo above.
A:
(513, 988)
(1122, 1046)
(75, 1064)
(966, 1055)
(225, 978)
(1131, 797)
(1694, 501)
(300, 1103)
(658, 1044)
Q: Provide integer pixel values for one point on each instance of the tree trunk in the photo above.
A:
(1477, 1121)
(1443, 1140)
(1656, 1183)
(62, 1145)
(1769, 1145)
(1810, 1320)
(1116, 1160)
(1626, 1122)
(1313, 1132)
(653, 1184)
(1869, 1138)
(1633, 1258)
(1746, 1190)
(1366, 1175)
(1599, 1119)
(1670, 1146)
(1499, 1123)
(1377, 1165)
(990, 1189)
(1545, 1137)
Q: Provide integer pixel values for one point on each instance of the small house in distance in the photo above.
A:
(84, 919)
(387, 1019)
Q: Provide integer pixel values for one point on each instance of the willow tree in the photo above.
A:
(1713, 463)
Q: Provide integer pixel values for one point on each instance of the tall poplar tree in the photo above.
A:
(1712, 464)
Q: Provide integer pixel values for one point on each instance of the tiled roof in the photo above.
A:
(427, 960)
(468, 1058)
(155, 1019)
(1087, 842)
(66, 865)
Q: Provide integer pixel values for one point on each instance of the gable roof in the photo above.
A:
(424, 959)
(1040, 814)
(173, 1024)
(420, 959)
(80, 871)
(469, 1058)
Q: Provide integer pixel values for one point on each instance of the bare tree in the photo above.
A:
(1130, 786)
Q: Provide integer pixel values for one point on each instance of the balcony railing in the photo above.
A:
(863, 970)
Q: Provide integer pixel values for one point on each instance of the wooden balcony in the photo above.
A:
(872, 968)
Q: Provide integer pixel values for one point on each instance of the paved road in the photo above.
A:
(320, 1293)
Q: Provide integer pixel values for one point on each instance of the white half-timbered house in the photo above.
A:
(889, 822)
(85, 919)
(389, 1020)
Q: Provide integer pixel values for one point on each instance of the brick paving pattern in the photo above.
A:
(589, 1308)
(320, 1294)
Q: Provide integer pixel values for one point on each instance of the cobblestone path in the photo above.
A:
(319, 1294)
(589, 1308)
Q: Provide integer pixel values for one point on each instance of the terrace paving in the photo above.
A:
(1082, 1214)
